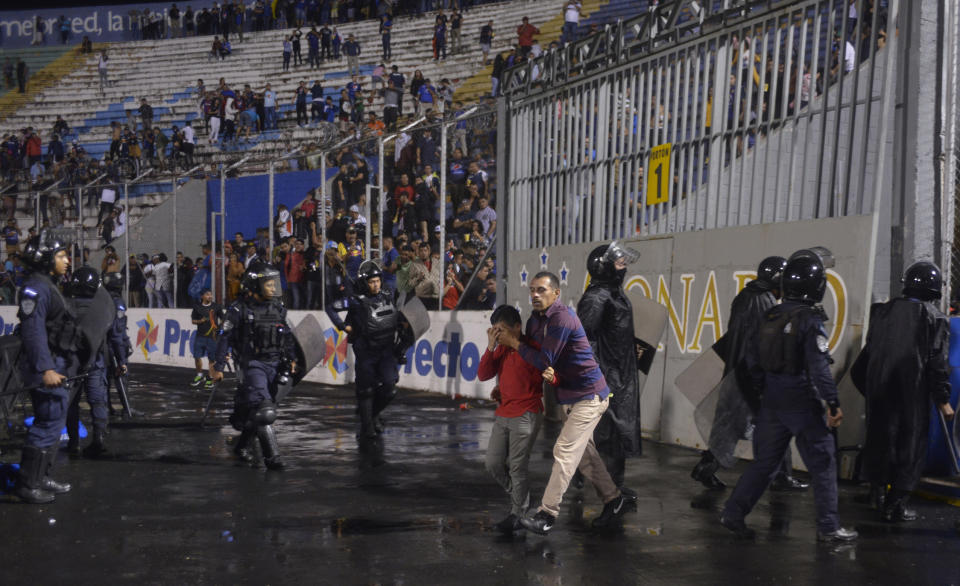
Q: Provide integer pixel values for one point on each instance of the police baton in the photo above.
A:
(121, 381)
(65, 384)
(947, 436)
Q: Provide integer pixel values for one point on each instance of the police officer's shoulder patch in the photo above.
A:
(27, 305)
(120, 312)
(823, 344)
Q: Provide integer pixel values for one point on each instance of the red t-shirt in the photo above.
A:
(450, 298)
(521, 385)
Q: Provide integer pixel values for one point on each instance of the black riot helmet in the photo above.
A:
(770, 270)
(923, 280)
(601, 261)
(40, 250)
(827, 260)
(368, 270)
(113, 282)
(263, 280)
(84, 282)
(804, 279)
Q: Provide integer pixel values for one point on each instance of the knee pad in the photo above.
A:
(265, 414)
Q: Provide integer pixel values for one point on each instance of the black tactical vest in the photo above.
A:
(263, 327)
(380, 320)
(779, 346)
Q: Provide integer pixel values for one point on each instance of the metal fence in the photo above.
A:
(773, 115)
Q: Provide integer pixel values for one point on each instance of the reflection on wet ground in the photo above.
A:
(172, 506)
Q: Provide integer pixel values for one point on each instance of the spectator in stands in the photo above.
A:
(487, 217)
(338, 286)
(284, 223)
(525, 34)
(63, 25)
(287, 51)
(22, 76)
(572, 12)
(456, 23)
(146, 114)
(39, 27)
(60, 126)
(295, 41)
(102, 66)
(189, 22)
(352, 251)
(300, 101)
(392, 102)
(294, 267)
(500, 62)
(163, 273)
(11, 237)
(86, 46)
(452, 288)
(313, 48)
(425, 276)
(189, 142)
(352, 50)
(386, 24)
(326, 40)
(173, 15)
(440, 37)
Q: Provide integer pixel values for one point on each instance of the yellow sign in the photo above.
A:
(658, 174)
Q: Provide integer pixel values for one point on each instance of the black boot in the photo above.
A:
(895, 508)
(29, 481)
(270, 448)
(49, 484)
(787, 483)
(705, 472)
(610, 516)
(241, 447)
(874, 498)
(97, 447)
(73, 433)
(368, 428)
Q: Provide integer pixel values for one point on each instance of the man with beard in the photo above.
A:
(737, 406)
(607, 317)
(900, 370)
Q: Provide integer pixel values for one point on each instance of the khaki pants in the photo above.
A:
(575, 449)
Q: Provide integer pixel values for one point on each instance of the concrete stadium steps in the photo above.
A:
(45, 67)
(165, 70)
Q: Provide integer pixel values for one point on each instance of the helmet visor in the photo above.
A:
(820, 252)
(270, 287)
(617, 251)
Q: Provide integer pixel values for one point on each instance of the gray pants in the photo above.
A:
(508, 452)
(353, 63)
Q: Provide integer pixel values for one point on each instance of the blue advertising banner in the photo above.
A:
(100, 23)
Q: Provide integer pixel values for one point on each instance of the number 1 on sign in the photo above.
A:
(657, 190)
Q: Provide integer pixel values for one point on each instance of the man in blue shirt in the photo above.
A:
(352, 50)
(391, 262)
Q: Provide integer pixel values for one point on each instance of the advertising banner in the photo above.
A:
(444, 360)
(100, 23)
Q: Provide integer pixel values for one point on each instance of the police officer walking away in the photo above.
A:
(902, 367)
(371, 326)
(790, 369)
(84, 284)
(607, 317)
(255, 329)
(119, 347)
(737, 405)
(47, 328)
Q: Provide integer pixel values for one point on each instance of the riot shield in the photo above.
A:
(701, 378)
(416, 315)
(311, 346)
(97, 320)
(10, 381)
(649, 318)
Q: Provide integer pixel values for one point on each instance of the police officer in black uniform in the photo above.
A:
(256, 330)
(737, 405)
(84, 284)
(50, 342)
(119, 348)
(371, 326)
(789, 363)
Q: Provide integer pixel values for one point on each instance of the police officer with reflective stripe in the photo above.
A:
(371, 327)
(789, 364)
(255, 329)
(118, 342)
(50, 341)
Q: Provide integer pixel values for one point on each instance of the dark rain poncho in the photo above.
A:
(902, 367)
(607, 318)
(737, 403)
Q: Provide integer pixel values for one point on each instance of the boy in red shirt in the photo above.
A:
(517, 420)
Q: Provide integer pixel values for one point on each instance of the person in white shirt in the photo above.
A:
(151, 279)
(571, 20)
(163, 281)
(189, 141)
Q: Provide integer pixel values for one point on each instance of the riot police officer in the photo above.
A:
(903, 366)
(607, 317)
(789, 363)
(119, 349)
(737, 405)
(83, 286)
(255, 329)
(371, 326)
(50, 341)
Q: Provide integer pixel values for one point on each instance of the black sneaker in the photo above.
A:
(738, 527)
(510, 525)
(840, 535)
(612, 511)
(541, 523)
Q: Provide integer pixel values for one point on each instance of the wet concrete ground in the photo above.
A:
(172, 506)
